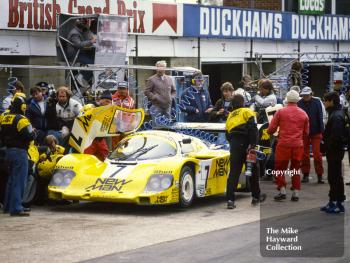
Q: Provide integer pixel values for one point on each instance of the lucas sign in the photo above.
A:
(311, 7)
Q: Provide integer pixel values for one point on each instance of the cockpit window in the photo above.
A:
(143, 147)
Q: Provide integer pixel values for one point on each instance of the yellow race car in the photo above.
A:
(146, 168)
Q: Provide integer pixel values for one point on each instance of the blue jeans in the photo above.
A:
(18, 173)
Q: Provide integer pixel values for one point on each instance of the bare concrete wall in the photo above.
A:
(30, 77)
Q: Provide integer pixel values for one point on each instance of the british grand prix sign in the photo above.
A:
(222, 22)
(145, 17)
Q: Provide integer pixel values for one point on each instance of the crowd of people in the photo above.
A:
(35, 132)
(46, 119)
(302, 122)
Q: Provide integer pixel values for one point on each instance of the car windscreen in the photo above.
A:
(144, 147)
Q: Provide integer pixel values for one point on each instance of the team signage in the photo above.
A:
(145, 17)
(225, 22)
(165, 19)
(311, 7)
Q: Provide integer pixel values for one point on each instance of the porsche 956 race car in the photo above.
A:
(146, 168)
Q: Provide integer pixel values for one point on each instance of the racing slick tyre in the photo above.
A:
(187, 186)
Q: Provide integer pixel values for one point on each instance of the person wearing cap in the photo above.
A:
(17, 134)
(293, 125)
(264, 99)
(122, 98)
(14, 86)
(313, 108)
(44, 87)
(160, 91)
(105, 98)
(195, 100)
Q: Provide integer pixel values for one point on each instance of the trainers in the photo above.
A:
(319, 179)
(294, 198)
(341, 207)
(334, 209)
(261, 199)
(305, 178)
(230, 204)
(327, 206)
(280, 197)
(22, 213)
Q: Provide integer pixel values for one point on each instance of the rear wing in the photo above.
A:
(106, 121)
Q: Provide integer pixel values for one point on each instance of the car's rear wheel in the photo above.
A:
(187, 186)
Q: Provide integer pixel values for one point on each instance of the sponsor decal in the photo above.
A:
(161, 199)
(64, 167)
(108, 184)
(85, 121)
(221, 167)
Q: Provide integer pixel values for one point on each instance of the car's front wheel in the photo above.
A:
(187, 186)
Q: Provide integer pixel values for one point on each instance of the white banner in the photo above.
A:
(145, 17)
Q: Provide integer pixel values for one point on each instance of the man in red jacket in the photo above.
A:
(293, 124)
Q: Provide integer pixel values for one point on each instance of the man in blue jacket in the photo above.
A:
(313, 108)
(195, 100)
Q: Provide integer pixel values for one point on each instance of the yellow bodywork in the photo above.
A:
(125, 181)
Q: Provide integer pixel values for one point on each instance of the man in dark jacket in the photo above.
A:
(335, 137)
(82, 40)
(313, 108)
(242, 134)
(223, 106)
(36, 113)
(195, 100)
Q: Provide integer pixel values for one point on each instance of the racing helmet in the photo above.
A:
(19, 102)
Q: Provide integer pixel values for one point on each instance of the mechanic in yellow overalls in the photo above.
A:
(16, 133)
(242, 134)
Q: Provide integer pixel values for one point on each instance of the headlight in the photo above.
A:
(62, 177)
(159, 182)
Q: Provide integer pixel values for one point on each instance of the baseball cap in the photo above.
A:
(122, 84)
(306, 91)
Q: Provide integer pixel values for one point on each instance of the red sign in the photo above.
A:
(164, 12)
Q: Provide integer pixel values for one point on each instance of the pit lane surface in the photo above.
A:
(92, 230)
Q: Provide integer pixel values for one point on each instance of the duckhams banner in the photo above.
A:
(222, 22)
